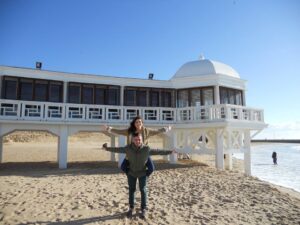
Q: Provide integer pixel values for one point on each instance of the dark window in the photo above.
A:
(74, 93)
(154, 98)
(183, 98)
(55, 92)
(87, 94)
(195, 97)
(224, 96)
(100, 96)
(10, 89)
(238, 97)
(166, 99)
(130, 97)
(40, 90)
(141, 98)
(32, 89)
(26, 89)
(230, 96)
(208, 96)
(113, 97)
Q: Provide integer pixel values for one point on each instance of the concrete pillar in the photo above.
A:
(228, 156)
(247, 154)
(219, 149)
(121, 143)
(228, 161)
(217, 95)
(62, 153)
(166, 145)
(65, 92)
(1, 149)
(113, 144)
(173, 146)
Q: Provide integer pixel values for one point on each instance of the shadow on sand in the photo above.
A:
(47, 168)
(81, 221)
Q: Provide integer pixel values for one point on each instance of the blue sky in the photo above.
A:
(260, 39)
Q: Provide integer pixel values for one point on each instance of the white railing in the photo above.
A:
(55, 111)
(47, 111)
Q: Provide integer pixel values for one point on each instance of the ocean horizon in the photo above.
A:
(285, 173)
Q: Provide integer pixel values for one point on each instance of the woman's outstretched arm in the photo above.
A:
(152, 132)
(115, 131)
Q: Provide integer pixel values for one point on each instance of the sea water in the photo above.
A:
(287, 171)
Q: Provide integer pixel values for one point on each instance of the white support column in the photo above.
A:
(121, 143)
(217, 94)
(65, 91)
(62, 153)
(228, 161)
(113, 144)
(219, 149)
(1, 149)
(173, 145)
(166, 145)
(228, 156)
(247, 154)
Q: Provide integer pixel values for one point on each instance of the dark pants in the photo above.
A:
(143, 189)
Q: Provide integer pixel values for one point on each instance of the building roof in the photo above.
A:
(205, 67)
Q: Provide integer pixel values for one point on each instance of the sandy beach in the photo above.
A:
(94, 191)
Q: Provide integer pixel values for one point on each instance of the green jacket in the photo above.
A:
(146, 133)
(137, 157)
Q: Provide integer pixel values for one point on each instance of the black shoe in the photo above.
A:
(144, 214)
(129, 213)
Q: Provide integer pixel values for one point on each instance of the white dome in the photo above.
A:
(205, 67)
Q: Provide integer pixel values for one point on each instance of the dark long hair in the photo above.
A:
(132, 128)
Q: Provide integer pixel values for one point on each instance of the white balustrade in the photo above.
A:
(131, 113)
(184, 114)
(95, 113)
(246, 114)
(9, 110)
(32, 110)
(75, 112)
(151, 114)
(114, 113)
(48, 111)
(167, 114)
(54, 111)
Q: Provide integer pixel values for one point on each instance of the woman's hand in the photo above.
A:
(106, 128)
(168, 128)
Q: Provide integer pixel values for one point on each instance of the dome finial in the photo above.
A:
(201, 57)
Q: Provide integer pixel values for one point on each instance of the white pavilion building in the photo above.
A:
(204, 102)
